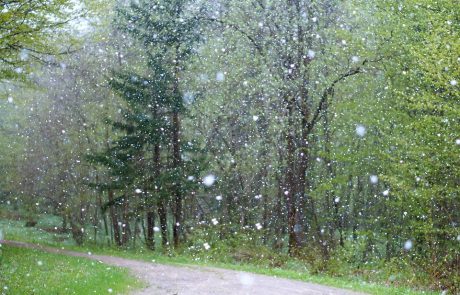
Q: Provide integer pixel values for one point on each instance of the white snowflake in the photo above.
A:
(408, 245)
(220, 77)
(209, 180)
(374, 179)
(360, 130)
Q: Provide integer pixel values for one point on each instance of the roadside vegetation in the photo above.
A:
(316, 139)
(236, 254)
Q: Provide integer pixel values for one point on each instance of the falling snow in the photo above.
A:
(220, 76)
(374, 179)
(360, 130)
(262, 128)
(209, 180)
(408, 245)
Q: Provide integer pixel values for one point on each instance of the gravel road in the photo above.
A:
(187, 280)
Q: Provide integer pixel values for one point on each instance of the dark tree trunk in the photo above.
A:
(126, 231)
(291, 181)
(150, 238)
(177, 161)
(114, 218)
(103, 216)
(177, 227)
(163, 223)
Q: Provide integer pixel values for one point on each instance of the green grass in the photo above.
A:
(292, 269)
(28, 271)
(16, 231)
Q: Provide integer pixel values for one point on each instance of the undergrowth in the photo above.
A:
(241, 251)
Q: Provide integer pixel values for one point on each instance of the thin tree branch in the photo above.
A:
(327, 92)
(235, 27)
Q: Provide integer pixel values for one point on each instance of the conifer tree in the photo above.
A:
(168, 30)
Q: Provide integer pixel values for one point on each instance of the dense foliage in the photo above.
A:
(323, 130)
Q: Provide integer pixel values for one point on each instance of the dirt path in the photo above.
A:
(181, 280)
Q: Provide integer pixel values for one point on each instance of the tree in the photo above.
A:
(425, 164)
(168, 30)
(27, 30)
(302, 54)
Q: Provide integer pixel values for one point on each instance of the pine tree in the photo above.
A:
(168, 30)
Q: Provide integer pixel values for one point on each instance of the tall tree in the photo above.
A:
(424, 174)
(169, 30)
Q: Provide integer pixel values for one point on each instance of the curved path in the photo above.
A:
(183, 280)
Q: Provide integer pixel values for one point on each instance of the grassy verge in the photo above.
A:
(292, 269)
(28, 271)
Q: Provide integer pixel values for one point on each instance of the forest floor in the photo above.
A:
(188, 279)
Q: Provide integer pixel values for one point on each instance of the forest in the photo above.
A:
(323, 134)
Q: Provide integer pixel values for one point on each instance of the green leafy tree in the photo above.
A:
(425, 164)
(28, 30)
(168, 30)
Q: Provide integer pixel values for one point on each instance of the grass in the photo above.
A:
(28, 271)
(292, 269)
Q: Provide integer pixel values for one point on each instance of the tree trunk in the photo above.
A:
(150, 238)
(291, 183)
(126, 230)
(177, 161)
(177, 227)
(114, 217)
(163, 223)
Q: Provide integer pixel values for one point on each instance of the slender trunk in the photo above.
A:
(114, 218)
(126, 231)
(355, 212)
(177, 190)
(106, 229)
(136, 232)
(113, 211)
(265, 219)
(278, 218)
(144, 230)
(150, 238)
(104, 219)
(291, 191)
(331, 174)
(177, 162)
(163, 223)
